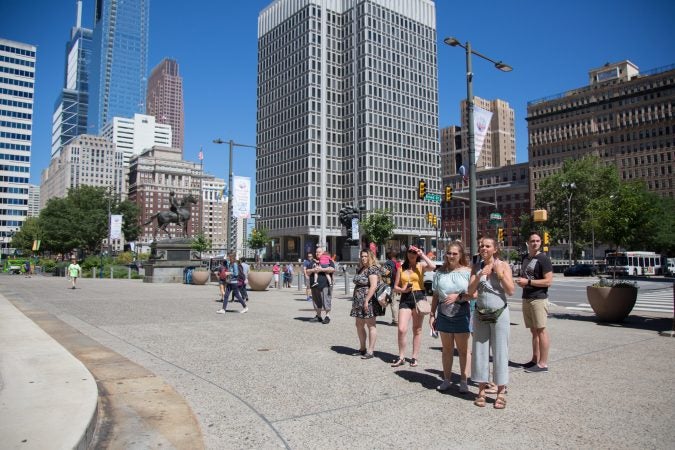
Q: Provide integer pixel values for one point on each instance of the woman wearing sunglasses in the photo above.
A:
(410, 284)
(492, 279)
(451, 302)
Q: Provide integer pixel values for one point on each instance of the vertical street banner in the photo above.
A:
(116, 226)
(481, 123)
(355, 229)
(241, 197)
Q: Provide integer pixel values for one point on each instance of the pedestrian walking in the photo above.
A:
(491, 279)
(322, 292)
(307, 264)
(231, 284)
(246, 269)
(536, 276)
(410, 284)
(365, 282)
(450, 313)
(74, 272)
(275, 271)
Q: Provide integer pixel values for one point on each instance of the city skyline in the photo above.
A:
(551, 50)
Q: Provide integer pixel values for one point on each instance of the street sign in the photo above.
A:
(433, 197)
(495, 216)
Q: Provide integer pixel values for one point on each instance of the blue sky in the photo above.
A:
(550, 44)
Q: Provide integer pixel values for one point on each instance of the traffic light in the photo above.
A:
(430, 217)
(500, 234)
(448, 193)
(435, 220)
(547, 239)
(422, 189)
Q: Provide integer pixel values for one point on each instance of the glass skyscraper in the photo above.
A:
(347, 115)
(71, 108)
(119, 60)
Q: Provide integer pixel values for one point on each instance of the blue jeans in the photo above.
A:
(232, 287)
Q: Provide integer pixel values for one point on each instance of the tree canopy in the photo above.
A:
(379, 226)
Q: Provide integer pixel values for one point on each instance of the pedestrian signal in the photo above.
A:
(448, 193)
(500, 234)
(547, 239)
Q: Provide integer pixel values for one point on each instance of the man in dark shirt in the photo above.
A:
(536, 276)
(321, 292)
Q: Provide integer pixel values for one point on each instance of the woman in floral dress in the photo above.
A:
(365, 282)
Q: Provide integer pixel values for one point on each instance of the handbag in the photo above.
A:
(382, 292)
(421, 304)
(490, 315)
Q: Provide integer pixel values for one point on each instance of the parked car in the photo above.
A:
(581, 270)
(429, 278)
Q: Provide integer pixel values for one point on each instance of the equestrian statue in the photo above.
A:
(179, 214)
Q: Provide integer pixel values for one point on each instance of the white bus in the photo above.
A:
(634, 263)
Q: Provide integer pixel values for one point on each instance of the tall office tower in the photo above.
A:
(165, 98)
(451, 151)
(119, 62)
(17, 78)
(137, 134)
(623, 116)
(71, 108)
(153, 175)
(33, 200)
(499, 148)
(86, 160)
(347, 115)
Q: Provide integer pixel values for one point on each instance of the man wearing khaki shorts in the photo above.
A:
(536, 277)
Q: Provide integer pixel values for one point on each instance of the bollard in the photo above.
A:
(93, 273)
(129, 273)
(299, 275)
(344, 270)
(111, 272)
(671, 333)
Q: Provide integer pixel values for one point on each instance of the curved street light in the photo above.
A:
(473, 218)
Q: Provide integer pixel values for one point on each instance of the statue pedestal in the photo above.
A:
(168, 261)
(350, 252)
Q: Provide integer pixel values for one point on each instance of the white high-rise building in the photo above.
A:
(137, 134)
(17, 86)
(33, 200)
(347, 115)
(86, 160)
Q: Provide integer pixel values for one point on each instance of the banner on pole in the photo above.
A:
(116, 226)
(481, 123)
(241, 197)
(355, 229)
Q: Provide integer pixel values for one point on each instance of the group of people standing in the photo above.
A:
(468, 302)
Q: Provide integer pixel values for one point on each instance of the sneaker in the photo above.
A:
(463, 387)
(359, 353)
(444, 386)
(368, 356)
(326, 320)
(220, 311)
(535, 369)
(245, 310)
(528, 365)
(316, 319)
(309, 298)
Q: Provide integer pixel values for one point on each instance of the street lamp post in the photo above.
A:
(473, 216)
(230, 210)
(571, 187)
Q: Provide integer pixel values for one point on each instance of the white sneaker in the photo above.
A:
(463, 387)
(245, 310)
(444, 386)
(220, 311)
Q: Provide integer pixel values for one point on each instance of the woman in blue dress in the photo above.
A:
(450, 313)
(492, 279)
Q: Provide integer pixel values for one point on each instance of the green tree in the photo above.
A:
(592, 180)
(201, 243)
(29, 232)
(257, 241)
(379, 226)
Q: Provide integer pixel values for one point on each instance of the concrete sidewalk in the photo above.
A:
(271, 378)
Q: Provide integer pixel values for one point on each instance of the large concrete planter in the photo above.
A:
(259, 281)
(200, 276)
(611, 304)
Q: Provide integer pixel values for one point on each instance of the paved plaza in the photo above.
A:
(271, 378)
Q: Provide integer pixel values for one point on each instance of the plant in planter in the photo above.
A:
(200, 243)
(258, 240)
(612, 300)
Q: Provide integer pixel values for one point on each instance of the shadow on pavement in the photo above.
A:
(635, 322)
(427, 381)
